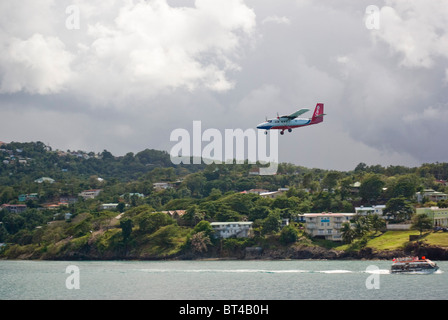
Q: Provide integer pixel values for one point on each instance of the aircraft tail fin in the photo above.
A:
(318, 115)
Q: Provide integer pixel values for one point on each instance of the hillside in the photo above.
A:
(57, 222)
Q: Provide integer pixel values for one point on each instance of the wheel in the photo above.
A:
(265, 132)
(289, 130)
(282, 132)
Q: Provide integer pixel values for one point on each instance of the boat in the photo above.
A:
(413, 265)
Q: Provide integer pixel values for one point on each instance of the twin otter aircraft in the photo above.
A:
(290, 122)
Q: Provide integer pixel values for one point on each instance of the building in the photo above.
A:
(431, 195)
(257, 191)
(14, 208)
(90, 194)
(326, 225)
(254, 172)
(438, 215)
(27, 197)
(175, 214)
(132, 194)
(273, 194)
(161, 185)
(235, 229)
(366, 211)
(56, 205)
(109, 206)
(68, 199)
(44, 179)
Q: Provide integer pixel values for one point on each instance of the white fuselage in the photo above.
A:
(282, 124)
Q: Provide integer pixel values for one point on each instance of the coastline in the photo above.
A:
(285, 253)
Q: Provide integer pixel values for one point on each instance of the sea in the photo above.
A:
(232, 280)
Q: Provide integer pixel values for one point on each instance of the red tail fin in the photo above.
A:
(318, 115)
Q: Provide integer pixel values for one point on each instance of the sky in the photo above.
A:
(122, 75)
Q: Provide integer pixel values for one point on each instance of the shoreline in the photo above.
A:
(289, 253)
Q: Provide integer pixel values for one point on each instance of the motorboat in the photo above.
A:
(413, 265)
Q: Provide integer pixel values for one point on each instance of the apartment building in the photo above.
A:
(326, 225)
(235, 229)
(438, 215)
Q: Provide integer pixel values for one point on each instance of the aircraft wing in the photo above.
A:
(296, 114)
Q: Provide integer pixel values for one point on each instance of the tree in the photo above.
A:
(371, 188)
(376, 222)
(151, 222)
(421, 222)
(193, 215)
(361, 226)
(200, 242)
(126, 228)
(258, 212)
(288, 235)
(204, 226)
(121, 206)
(348, 234)
(271, 223)
(404, 186)
(331, 180)
(399, 208)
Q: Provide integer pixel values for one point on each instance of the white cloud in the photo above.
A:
(38, 65)
(135, 48)
(416, 29)
(277, 19)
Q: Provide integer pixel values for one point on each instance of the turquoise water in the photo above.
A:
(218, 280)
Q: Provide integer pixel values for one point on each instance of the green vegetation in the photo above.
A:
(140, 227)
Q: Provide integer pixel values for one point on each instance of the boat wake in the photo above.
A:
(245, 271)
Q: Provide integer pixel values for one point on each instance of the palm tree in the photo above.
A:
(348, 234)
(376, 222)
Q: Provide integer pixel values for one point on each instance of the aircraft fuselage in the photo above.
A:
(280, 124)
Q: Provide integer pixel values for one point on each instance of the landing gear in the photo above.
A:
(289, 130)
(282, 132)
(266, 132)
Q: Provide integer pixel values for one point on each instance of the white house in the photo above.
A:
(273, 194)
(108, 206)
(235, 229)
(257, 191)
(365, 211)
(161, 185)
(90, 194)
(44, 179)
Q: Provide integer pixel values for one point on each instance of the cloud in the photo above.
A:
(136, 70)
(38, 65)
(416, 29)
(144, 48)
(277, 19)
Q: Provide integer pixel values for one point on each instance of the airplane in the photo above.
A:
(291, 121)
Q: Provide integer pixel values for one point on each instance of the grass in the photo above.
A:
(437, 239)
(391, 240)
